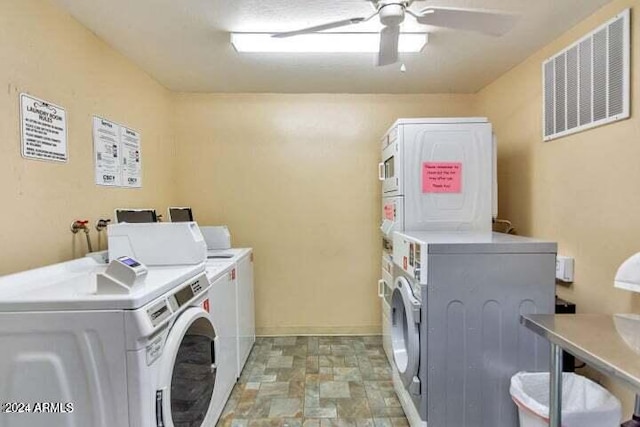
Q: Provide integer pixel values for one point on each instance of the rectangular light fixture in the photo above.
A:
(323, 43)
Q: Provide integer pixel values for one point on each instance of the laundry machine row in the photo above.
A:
(104, 346)
(141, 359)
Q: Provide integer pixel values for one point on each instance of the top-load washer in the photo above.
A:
(242, 275)
(456, 334)
(222, 308)
(75, 354)
(218, 243)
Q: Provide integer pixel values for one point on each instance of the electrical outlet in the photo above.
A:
(564, 268)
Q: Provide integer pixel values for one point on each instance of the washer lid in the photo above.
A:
(232, 254)
(72, 286)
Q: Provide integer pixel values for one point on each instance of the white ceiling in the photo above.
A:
(185, 45)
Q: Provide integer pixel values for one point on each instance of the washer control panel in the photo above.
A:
(159, 312)
(162, 309)
(411, 257)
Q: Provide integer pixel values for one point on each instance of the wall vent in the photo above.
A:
(587, 84)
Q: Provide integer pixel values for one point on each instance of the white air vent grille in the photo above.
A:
(572, 88)
(586, 79)
(587, 84)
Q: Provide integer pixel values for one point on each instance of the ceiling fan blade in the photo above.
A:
(482, 21)
(322, 27)
(389, 38)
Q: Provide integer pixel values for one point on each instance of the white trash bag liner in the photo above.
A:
(584, 403)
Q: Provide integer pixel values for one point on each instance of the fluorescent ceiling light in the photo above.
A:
(323, 43)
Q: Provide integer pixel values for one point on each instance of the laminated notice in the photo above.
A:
(106, 149)
(441, 177)
(43, 130)
(389, 211)
(131, 166)
(117, 154)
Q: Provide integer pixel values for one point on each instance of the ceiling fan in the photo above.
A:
(392, 14)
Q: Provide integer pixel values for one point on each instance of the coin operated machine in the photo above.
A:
(123, 276)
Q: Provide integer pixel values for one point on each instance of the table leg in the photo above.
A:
(635, 421)
(555, 387)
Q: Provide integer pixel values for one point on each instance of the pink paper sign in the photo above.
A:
(389, 211)
(441, 177)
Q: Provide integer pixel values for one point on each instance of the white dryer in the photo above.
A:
(145, 358)
(438, 174)
(223, 311)
(242, 258)
(218, 242)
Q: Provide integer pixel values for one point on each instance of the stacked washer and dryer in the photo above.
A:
(451, 290)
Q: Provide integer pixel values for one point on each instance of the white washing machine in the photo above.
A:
(222, 308)
(242, 258)
(456, 332)
(76, 357)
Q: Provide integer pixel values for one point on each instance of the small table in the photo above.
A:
(608, 343)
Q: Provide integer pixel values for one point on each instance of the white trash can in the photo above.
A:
(584, 403)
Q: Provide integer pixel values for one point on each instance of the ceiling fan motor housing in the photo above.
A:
(392, 13)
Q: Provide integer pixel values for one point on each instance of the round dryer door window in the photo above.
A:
(190, 369)
(405, 330)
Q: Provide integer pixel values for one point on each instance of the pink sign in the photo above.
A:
(389, 211)
(441, 177)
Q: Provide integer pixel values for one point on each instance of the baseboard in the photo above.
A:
(280, 331)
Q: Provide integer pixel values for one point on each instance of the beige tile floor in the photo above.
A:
(315, 382)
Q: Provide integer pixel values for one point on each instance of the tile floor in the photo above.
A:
(315, 382)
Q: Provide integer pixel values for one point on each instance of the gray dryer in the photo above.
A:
(456, 335)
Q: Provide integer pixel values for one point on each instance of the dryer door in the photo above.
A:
(188, 374)
(405, 333)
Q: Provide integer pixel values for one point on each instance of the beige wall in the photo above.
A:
(47, 54)
(581, 190)
(294, 176)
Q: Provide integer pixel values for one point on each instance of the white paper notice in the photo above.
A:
(44, 130)
(106, 149)
(131, 158)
